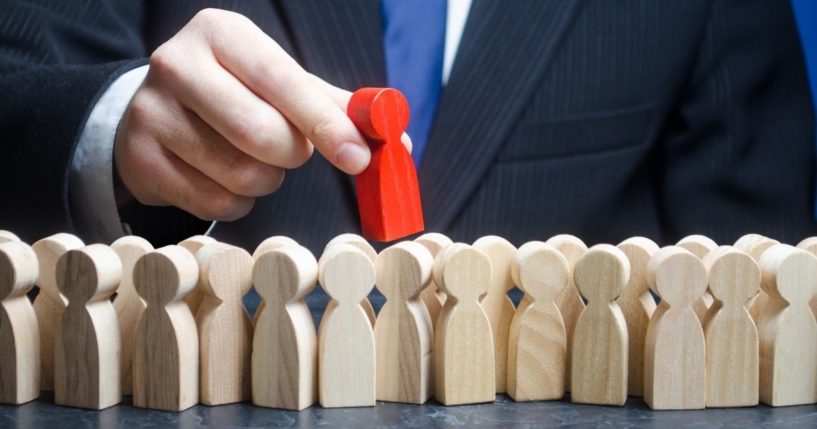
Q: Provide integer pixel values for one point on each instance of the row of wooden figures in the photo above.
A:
(447, 329)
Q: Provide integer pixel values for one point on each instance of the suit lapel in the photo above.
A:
(500, 60)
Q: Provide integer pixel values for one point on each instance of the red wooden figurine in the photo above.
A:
(388, 195)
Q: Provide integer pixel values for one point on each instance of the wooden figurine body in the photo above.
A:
(755, 245)
(810, 245)
(367, 249)
(346, 349)
(601, 330)
(166, 356)
(675, 351)
(225, 331)
(638, 306)
(403, 333)
(193, 244)
(537, 342)
(787, 328)
(732, 345)
(463, 343)
(127, 304)
(49, 303)
(700, 246)
(285, 344)
(19, 334)
(388, 194)
(432, 296)
(496, 303)
(86, 354)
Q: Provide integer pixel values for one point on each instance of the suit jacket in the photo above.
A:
(597, 118)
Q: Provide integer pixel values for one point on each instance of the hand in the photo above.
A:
(222, 113)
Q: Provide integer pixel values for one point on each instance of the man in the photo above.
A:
(597, 118)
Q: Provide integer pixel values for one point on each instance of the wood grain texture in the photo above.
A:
(346, 349)
(496, 303)
(638, 306)
(363, 245)
(787, 328)
(403, 333)
(463, 342)
(755, 245)
(193, 244)
(49, 303)
(601, 330)
(700, 246)
(88, 344)
(224, 327)
(675, 351)
(285, 344)
(810, 245)
(432, 296)
(19, 333)
(537, 343)
(127, 304)
(166, 357)
(8, 236)
(267, 245)
(732, 345)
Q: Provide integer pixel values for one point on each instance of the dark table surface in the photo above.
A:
(42, 413)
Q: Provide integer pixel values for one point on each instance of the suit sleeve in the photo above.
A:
(738, 154)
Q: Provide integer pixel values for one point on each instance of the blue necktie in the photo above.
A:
(414, 42)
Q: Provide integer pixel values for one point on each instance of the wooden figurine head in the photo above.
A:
(18, 269)
(91, 273)
(165, 275)
(285, 274)
(540, 271)
(403, 270)
(346, 273)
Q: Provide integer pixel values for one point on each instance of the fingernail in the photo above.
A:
(352, 158)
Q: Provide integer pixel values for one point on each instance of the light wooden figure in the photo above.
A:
(403, 333)
(675, 351)
(19, 334)
(731, 336)
(700, 246)
(496, 303)
(810, 245)
(367, 249)
(285, 344)
(166, 356)
(463, 342)
(570, 302)
(346, 349)
(638, 306)
(8, 236)
(193, 244)
(755, 245)
(537, 343)
(267, 245)
(601, 330)
(225, 331)
(127, 304)
(49, 303)
(787, 328)
(432, 296)
(86, 353)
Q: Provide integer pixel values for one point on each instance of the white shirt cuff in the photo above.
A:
(90, 182)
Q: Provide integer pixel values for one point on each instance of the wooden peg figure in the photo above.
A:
(537, 343)
(225, 331)
(8, 236)
(403, 333)
(388, 194)
(267, 245)
(193, 244)
(285, 344)
(700, 246)
(127, 304)
(787, 328)
(463, 343)
(732, 345)
(675, 351)
(432, 296)
(49, 303)
(19, 334)
(637, 305)
(601, 330)
(346, 350)
(496, 303)
(166, 356)
(86, 354)
(364, 246)
(810, 245)
(570, 302)
(755, 245)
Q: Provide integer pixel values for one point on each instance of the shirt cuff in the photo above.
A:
(90, 181)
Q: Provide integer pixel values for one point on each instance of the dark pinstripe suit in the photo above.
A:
(601, 118)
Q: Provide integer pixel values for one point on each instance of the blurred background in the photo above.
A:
(806, 12)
